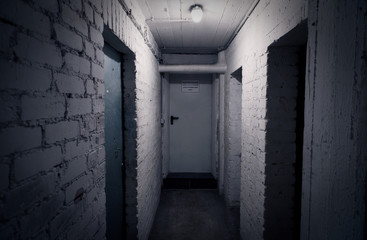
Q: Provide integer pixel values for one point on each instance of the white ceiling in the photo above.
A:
(220, 20)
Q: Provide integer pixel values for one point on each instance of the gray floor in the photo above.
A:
(194, 214)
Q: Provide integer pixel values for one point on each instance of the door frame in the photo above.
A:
(129, 173)
(216, 121)
(114, 141)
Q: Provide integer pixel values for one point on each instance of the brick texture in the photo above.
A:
(47, 123)
(52, 125)
(35, 162)
(250, 49)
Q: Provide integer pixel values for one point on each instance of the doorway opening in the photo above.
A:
(284, 138)
(119, 97)
(190, 120)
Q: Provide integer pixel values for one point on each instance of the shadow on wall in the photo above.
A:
(285, 115)
(232, 138)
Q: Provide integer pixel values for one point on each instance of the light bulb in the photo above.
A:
(196, 14)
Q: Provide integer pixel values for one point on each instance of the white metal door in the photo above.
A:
(190, 134)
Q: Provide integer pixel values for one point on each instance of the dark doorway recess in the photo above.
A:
(285, 126)
(300, 123)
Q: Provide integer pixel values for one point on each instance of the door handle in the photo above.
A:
(173, 118)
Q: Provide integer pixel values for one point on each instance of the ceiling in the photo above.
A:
(171, 25)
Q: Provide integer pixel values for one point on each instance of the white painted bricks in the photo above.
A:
(249, 50)
(52, 158)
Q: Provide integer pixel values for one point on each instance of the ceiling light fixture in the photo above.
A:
(196, 13)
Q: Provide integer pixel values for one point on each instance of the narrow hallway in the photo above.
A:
(194, 214)
(183, 119)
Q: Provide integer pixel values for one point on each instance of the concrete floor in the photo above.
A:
(194, 214)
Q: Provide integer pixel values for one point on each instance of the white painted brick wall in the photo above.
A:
(334, 131)
(268, 22)
(69, 38)
(97, 72)
(35, 162)
(69, 84)
(52, 154)
(24, 77)
(73, 19)
(28, 48)
(96, 36)
(61, 131)
(72, 189)
(39, 216)
(77, 106)
(89, 49)
(77, 64)
(36, 22)
(42, 107)
(88, 11)
(24, 196)
(10, 141)
(335, 128)
(73, 169)
(76, 148)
